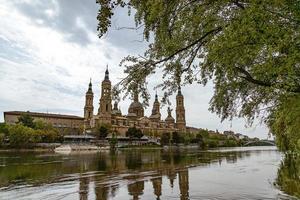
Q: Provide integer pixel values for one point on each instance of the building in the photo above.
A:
(56, 120)
(112, 115)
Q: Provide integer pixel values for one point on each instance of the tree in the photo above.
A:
(4, 128)
(134, 132)
(26, 120)
(103, 132)
(165, 139)
(248, 49)
(21, 136)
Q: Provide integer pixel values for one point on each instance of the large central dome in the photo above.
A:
(136, 108)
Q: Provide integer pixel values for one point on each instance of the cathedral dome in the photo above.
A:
(170, 119)
(136, 105)
(136, 108)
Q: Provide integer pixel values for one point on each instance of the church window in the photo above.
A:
(106, 107)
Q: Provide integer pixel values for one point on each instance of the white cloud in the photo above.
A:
(42, 70)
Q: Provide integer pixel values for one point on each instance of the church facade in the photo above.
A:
(108, 113)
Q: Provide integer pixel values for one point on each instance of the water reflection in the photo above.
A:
(151, 174)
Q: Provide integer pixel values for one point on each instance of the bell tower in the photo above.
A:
(105, 107)
(156, 110)
(180, 111)
(88, 108)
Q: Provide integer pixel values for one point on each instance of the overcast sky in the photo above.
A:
(49, 49)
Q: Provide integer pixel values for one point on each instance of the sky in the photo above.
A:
(49, 50)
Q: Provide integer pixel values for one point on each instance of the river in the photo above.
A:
(229, 173)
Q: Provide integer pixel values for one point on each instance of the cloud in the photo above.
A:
(49, 49)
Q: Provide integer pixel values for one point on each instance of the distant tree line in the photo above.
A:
(203, 138)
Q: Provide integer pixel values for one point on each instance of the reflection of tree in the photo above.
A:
(288, 176)
(136, 189)
(83, 188)
(157, 182)
(133, 160)
(102, 162)
(184, 184)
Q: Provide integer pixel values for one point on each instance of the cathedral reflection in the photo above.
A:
(136, 189)
(157, 182)
(169, 168)
(83, 188)
(184, 184)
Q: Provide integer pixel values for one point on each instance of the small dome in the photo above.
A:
(170, 119)
(135, 105)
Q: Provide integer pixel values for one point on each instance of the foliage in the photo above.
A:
(288, 176)
(103, 132)
(249, 49)
(134, 132)
(26, 120)
(2, 139)
(4, 128)
(176, 138)
(113, 142)
(165, 139)
(231, 143)
(21, 136)
(285, 123)
(42, 125)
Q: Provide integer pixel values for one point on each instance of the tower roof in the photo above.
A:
(106, 73)
(179, 91)
(90, 90)
(156, 97)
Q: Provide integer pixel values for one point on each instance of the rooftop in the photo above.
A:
(37, 114)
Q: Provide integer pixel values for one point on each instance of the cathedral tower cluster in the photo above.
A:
(120, 123)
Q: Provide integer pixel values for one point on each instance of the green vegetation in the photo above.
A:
(134, 132)
(203, 138)
(113, 142)
(249, 50)
(101, 131)
(21, 136)
(288, 178)
(26, 120)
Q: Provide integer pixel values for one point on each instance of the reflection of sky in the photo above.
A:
(240, 174)
(50, 49)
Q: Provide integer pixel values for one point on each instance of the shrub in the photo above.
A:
(4, 128)
(165, 139)
(21, 136)
(134, 132)
(26, 120)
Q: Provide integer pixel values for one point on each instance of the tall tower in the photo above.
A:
(156, 110)
(88, 108)
(180, 111)
(105, 107)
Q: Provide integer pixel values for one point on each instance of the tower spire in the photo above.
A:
(106, 73)
(90, 86)
(179, 90)
(156, 97)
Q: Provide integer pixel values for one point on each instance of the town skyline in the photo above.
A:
(50, 71)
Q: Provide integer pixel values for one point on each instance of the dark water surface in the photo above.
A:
(232, 173)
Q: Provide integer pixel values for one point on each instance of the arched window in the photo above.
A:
(89, 114)
(106, 107)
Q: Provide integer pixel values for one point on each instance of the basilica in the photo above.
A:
(111, 115)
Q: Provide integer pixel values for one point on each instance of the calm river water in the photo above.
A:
(231, 173)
